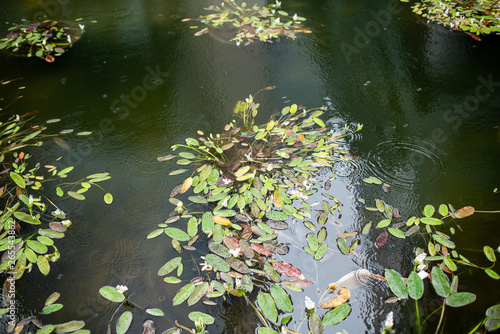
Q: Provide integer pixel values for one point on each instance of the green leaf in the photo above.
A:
(110, 293)
(314, 322)
(176, 234)
(37, 246)
(52, 308)
(52, 298)
(195, 317)
(268, 307)
(336, 315)
(18, 179)
(108, 198)
(70, 326)
(384, 223)
(76, 195)
(431, 221)
(276, 215)
(396, 284)
(342, 244)
(50, 233)
(27, 218)
(155, 312)
(183, 293)
(43, 265)
(443, 241)
(46, 329)
(154, 234)
(397, 233)
(490, 254)
(217, 262)
(198, 293)
(493, 274)
(124, 322)
(443, 210)
(172, 280)
(281, 298)
(440, 282)
(380, 205)
(321, 252)
(312, 241)
(207, 222)
(170, 266)
(265, 330)
(45, 240)
(322, 235)
(366, 228)
(415, 286)
(429, 210)
(460, 299)
(65, 171)
(59, 192)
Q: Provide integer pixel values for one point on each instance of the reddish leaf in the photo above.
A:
(232, 243)
(58, 227)
(382, 239)
(287, 269)
(261, 250)
(176, 190)
(379, 277)
(466, 211)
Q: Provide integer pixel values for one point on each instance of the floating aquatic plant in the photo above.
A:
(250, 23)
(44, 39)
(473, 17)
(246, 184)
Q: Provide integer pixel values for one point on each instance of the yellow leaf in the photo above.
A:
(186, 185)
(222, 221)
(343, 296)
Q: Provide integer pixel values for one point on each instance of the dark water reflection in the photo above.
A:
(401, 82)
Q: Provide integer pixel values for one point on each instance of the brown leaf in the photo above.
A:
(343, 296)
(287, 269)
(466, 211)
(231, 242)
(382, 239)
(58, 227)
(261, 250)
(176, 190)
(298, 283)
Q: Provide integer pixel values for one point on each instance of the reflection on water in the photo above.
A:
(399, 84)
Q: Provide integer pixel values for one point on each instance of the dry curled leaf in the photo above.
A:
(343, 296)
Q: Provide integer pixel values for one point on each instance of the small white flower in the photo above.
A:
(237, 282)
(420, 258)
(309, 303)
(278, 3)
(235, 252)
(421, 267)
(121, 288)
(423, 274)
(389, 321)
(272, 11)
(269, 167)
(180, 204)
(69, 39)
(31, 200)
(277, 20)
(82, 26)
(259, 28)
(295, 17)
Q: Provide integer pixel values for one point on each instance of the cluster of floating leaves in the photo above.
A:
(28, 227)
(50, 306)
(251, 23)
(40, 39)
(442, 258)
(249, 183)
(474, 17)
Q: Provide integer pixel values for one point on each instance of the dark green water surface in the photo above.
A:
(429, 100)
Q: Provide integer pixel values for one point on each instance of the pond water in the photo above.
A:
(412, 85)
